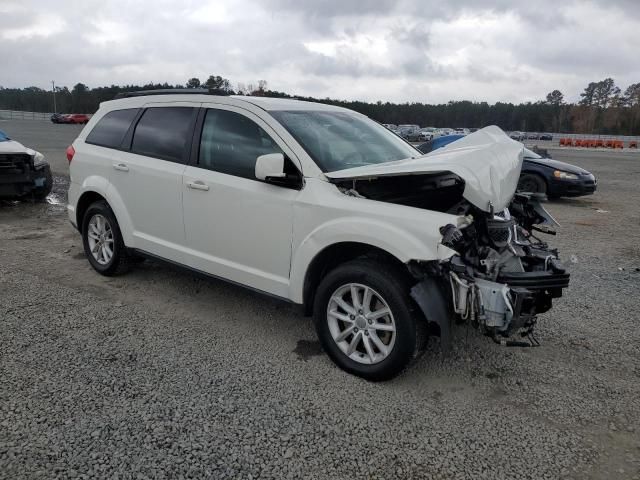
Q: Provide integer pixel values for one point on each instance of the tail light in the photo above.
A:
(70, 153)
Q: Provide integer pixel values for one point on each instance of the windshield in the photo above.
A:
(3, 137)
(339, 140)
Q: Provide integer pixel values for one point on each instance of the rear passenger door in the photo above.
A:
(237, 227)
(148, 177)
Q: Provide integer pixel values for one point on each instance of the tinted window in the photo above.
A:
(230, 143)
(111, 129)
(163, 132)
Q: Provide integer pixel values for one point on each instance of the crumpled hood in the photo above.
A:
(15, 147)
(488, 161)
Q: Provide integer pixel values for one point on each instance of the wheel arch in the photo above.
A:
(85, 200)
(93, 192)
(333, 255)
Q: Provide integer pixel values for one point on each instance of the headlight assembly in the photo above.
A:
(38, 159)
(559, 174)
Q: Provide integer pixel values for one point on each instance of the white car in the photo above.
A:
(322, 207)
(24, 172)
(426, 134)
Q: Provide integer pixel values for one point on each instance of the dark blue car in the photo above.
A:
(539, 174)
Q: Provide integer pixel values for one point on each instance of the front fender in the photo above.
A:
(400, 243)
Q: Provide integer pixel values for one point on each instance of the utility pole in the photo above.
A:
(53, 85)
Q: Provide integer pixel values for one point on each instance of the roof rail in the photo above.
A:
(173, 91)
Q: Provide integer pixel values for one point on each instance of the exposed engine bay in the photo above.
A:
(502, 276)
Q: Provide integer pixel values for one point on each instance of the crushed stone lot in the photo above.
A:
(163, 374)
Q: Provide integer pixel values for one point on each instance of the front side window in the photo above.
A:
(163, 132)
(339, 140)
(231, 143)
(111, 129)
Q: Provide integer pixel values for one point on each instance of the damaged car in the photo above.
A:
(322, 207)
(23, 171)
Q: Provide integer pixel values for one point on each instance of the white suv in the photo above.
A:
(323, 207)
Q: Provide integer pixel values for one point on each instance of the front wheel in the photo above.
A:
(364, 319)
(532, 183)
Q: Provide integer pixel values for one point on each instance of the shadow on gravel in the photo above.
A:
(307, 349)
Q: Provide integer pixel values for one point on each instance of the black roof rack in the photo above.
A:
(173, 91)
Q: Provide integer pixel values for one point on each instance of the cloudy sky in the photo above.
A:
(402, 50)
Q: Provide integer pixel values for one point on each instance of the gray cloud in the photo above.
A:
(405, 50)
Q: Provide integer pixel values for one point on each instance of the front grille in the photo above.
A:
(12, 163)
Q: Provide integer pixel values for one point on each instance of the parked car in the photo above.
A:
(77, 118)
(533, 136)
(519, 136)
(411, 133)
(539, 174)
(555, 178)
(390, 126)
(426, 134)
(59, 118)
(545, 136)
(322, 207)
(462, 131)
(23, 171)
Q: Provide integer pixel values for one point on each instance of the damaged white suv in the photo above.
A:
(323, 207)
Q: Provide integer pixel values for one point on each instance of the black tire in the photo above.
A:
(393, 286)
(40, 193)
(532, 183)
(120, 260)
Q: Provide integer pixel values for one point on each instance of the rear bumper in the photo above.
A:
(73, 194)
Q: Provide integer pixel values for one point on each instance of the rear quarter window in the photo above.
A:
(111, 129)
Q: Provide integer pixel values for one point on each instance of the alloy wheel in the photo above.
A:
(100, 239)
(361, 323)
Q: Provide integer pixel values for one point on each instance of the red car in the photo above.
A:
(76, 118)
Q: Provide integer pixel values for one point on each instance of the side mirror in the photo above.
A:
(270, 166)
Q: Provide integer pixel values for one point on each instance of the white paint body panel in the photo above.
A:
(487, 160)
(261, 235)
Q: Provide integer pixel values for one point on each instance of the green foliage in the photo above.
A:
(602, 108)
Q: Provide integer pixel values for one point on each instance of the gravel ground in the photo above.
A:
(162, 374)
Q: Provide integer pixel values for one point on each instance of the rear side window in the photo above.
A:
(163, 132)
(231, 143)
(111, 129)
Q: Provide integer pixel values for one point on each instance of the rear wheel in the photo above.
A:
(364, 319)
(102, 240)
(532, 183)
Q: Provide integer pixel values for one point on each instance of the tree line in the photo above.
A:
(603, 108)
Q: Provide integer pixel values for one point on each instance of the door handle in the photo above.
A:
(121, 166)
(198, 185)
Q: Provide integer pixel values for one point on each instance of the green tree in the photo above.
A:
(193, 83)
(555, 98)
